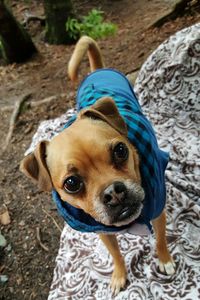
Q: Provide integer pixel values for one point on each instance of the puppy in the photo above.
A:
(105, 168)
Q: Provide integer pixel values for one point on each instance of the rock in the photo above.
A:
(3, 278)
(8, 248)
(4, 215)
(21, 223)
(3, 242)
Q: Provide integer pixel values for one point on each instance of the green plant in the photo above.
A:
(91, 25)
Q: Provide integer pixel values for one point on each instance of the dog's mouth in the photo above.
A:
(127, 215)
(124, 214)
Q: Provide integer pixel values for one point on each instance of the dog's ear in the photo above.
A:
(106, 110)
(34, 166)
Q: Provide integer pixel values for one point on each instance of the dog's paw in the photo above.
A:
(118, 280)
(168, 268)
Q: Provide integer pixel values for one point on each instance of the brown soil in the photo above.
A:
(28, 266)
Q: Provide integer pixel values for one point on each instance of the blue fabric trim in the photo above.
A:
(79, 220)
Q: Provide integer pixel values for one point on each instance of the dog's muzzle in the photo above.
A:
(123, 202)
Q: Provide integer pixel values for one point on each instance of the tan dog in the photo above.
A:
(98, 171)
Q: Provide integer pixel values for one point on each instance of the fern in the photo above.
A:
(91, 25)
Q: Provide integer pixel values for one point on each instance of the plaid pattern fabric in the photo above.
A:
(108, 82)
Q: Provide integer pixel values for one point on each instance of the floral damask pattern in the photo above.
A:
(168, 88)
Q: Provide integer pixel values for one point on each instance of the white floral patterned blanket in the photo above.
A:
(168, 88)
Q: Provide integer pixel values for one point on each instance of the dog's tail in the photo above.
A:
(85, 44)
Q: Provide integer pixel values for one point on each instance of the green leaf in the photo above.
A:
(91, 25)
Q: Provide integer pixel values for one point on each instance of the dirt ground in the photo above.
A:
(26, 263)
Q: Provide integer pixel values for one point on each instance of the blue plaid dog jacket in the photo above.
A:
(109, 82)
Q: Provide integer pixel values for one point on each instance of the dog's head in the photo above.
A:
(92, 166)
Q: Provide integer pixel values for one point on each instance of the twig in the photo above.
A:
(36, 103)
(39, 240)
(44, 101)
(52, 219)
(2, 268)
(6, 108)
(13, 119)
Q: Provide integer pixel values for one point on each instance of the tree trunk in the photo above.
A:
(57, 13)
(16, 44)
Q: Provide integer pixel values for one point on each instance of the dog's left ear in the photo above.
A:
(106, 110)
(34, 166)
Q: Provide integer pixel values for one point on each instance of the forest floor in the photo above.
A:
(26, 264)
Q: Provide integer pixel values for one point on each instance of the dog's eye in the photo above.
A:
(120, 153)
(73, 184)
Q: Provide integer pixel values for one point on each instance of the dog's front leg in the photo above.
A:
(119, 274)
(166, 263)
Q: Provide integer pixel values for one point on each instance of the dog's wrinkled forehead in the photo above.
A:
(92, 125)
(84, 137)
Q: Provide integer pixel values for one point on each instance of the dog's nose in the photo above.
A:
(114, 194)
(119, 187)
